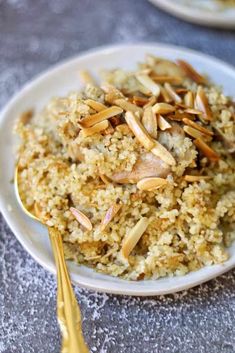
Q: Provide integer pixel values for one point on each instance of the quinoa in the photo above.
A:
(180, 186)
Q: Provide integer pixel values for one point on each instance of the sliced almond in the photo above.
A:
(93, 119)
(172, 93)
(195, 178)
(142, 89)
(206, 150)
(150, 60)
(161, 152)
(127, 106)
(150, 122)
(124, 129)
(95, 105)
(147, 82)
(197, 126)
(95, 128)
(112, 92)
(162, 123)
(81, 218)
(110, 214)
(165, 67)
(178, 115)
(151, 183)
(197, 134)
(163, 108)
(105, 179)
(191, 72)
(139, 131)
(181, 90)
(165, 95)
(151, 102)
(193, 111)
(26, 116)
(134, 236)
(181, 105)
(189, 99)
(170, 79)
(143, 71)
(140, 101)
(202, 104)
(86, 77)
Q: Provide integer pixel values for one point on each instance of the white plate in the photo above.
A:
(204, 12)
(58, 81)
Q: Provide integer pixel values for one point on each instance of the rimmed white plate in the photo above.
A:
(204, 12)
(58, 81)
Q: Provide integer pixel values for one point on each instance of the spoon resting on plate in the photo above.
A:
(68, 311)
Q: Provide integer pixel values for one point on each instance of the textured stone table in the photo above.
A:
(34, 35)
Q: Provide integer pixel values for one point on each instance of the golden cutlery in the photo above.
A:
(68, 311)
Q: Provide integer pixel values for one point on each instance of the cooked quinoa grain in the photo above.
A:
(138, 174)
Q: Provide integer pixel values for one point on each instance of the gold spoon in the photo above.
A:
(68, 311)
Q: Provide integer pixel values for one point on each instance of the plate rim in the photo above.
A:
(196, 16)
(103, 286)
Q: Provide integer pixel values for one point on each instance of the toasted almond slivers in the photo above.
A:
(81, 218)
(149, 121)
(151, 102)
(161, 152)
(206, 150)
(197, 134)
(151, 183)
(139, 131)
(202, 104)
(165, 95)
(181, 90)
(95, 105)
(127, 106)
(26, 116)
(189, 99)
(102, 125)
(197, 126)
(112, 92)
(191, 72)
(170, 90)
(140, 101)
(93, 119)
(110, 214)
(134, 236)
(86, 77)
(162, 123)
(147, 82)
(192, 178)
(163, 108)
(142, 89)
(124, 129)
(150, 60)
(170, 79)
(193, 111)
(105, 179)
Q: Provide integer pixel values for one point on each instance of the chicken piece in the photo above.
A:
(148, 165)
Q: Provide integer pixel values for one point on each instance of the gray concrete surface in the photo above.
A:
(34, 35)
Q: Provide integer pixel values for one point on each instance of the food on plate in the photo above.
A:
(136, 172)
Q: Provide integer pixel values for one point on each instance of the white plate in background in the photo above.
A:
(58, 81)
(204, 12)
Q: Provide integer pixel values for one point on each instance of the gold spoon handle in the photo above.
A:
(68, 312)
